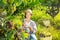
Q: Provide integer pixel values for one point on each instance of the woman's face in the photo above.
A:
(28, 15)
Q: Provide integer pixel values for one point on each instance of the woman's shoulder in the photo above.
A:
(32, 21)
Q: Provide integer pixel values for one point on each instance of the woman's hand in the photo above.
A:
(31, 29)
(23, 26)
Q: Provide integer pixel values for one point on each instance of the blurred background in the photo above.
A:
(46, 14)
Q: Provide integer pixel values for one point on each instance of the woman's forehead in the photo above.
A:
(28, 13)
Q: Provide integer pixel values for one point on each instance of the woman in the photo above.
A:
(28, 25)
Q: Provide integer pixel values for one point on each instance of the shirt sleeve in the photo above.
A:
(34, 26)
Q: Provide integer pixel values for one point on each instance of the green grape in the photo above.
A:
(4, 1)
(17, 3)
(52, 0)
(11, 1)
(14, 8)
(12, 11)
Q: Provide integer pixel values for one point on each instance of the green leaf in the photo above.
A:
(10, 34)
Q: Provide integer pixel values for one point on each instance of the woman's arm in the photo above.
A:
(33, 27)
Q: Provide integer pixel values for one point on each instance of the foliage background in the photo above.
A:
(13, 10)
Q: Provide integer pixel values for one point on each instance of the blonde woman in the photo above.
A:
(28, 25)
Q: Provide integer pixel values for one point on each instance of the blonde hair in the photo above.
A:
(28, 10)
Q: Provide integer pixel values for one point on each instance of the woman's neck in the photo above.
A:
(27, 19)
